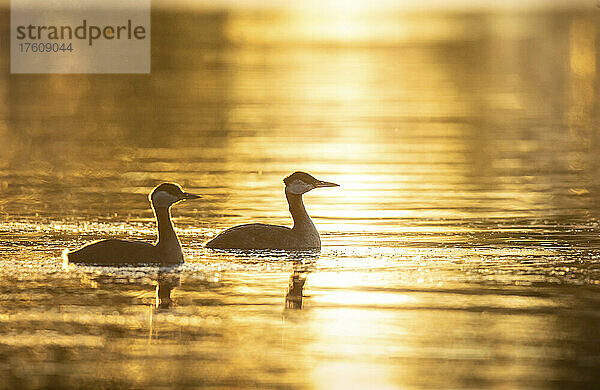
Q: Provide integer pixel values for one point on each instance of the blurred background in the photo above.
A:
(462, 249)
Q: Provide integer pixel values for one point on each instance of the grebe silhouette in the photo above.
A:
(166, 250)
(303, 235)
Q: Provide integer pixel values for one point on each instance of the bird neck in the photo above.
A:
(166, 233)
(299, 214)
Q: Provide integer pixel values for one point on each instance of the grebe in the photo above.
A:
(303, 235)
(166, 250)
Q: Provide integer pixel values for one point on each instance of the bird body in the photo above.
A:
(166, 250)
(262, 236)
(303, 235)
(113, 250)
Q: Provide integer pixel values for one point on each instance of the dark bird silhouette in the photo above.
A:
(303, 235)
(166, 250)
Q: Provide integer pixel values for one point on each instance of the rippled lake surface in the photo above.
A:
(462, 249)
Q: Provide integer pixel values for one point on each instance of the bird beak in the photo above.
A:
(321, 184)
(187, 195)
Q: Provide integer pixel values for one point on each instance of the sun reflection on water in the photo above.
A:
(461, 249)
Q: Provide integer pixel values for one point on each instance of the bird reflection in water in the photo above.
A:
(293, 297)
(165, 283)
(304, 263)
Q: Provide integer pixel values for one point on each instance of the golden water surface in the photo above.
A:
(462, 249)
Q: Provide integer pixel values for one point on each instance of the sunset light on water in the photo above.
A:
(461, 249)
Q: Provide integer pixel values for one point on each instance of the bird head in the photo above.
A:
(299, 183)
(167, 194)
